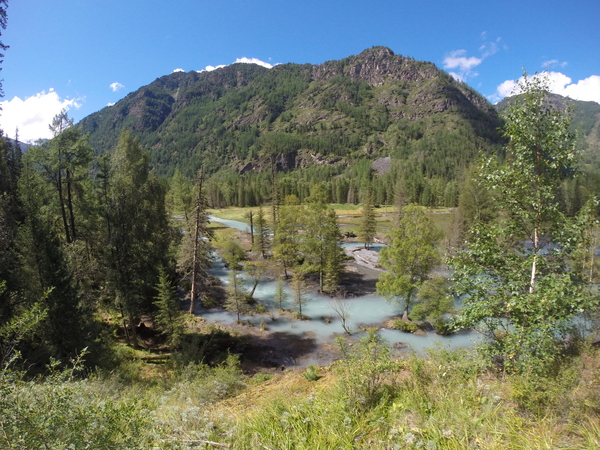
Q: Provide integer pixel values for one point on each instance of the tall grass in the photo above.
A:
(449, 400)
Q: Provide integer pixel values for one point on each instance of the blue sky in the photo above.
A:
(86, 54)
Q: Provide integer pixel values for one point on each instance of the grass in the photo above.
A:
(446, 402)
(349, 217)
(449, 400)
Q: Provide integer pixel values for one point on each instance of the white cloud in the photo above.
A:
(552, 63)
(243, 60)
(253, 61)
(587, 89)
(110, 104)
(116, 86)
(463, 66)
(211, 68)
(33, 115)
(178, 70)
(456, 59)
(506, 89)
(489, 48)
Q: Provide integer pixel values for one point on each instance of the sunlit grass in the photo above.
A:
(448, 401)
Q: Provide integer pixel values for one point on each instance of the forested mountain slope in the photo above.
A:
(375, 104)
(332, 120)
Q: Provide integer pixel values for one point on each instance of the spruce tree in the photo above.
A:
(138, 231)
(366, 232)
(168, 316)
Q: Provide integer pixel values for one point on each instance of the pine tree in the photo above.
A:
(366, 232)
(64, 161)
(138, 230)
(195, 250)
(168, 315)
(237, 297)
(280, 294)
(320, 241)
(44, 271)
(287, 240)
(261, 234)
(298, 286)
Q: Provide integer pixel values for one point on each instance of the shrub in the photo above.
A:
(364, 373)
(311, 374)
(407, 327)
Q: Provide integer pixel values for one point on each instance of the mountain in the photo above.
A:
(372, 105)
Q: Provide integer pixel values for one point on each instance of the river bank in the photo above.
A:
(277, 339)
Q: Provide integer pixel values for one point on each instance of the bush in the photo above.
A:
(311, 374)
(364, 373)
(407, 327)
(442, 327)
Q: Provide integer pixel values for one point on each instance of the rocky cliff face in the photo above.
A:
(377, 66)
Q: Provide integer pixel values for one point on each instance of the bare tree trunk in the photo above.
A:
(536, 232)
(536, 244)
(406, 306)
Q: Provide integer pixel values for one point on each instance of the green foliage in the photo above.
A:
(319, 244)
(255, 271)
(298, 286)
(18, 328)
(519, 290)
(195, 250)
(232, 253)
(168, 316)
(287, 239)
(261, 234)
(363, 373)
(237, 296)
(65, 162)
(138, 240)
(44, 270)
(410, 257)
(311, 373)
(434, 299)
(180, 198)
(407, 327)
(62, 412)
(280, 294)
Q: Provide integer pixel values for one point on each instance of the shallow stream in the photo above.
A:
(363, 310)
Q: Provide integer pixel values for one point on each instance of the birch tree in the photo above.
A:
(409, 258)
(522, 291)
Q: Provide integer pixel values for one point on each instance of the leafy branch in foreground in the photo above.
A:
(520, 287)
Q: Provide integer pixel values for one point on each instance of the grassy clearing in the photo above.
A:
(349, 217)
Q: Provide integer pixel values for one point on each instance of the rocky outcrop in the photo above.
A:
(377, 66)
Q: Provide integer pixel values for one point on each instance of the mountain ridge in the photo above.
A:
(352, 105)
